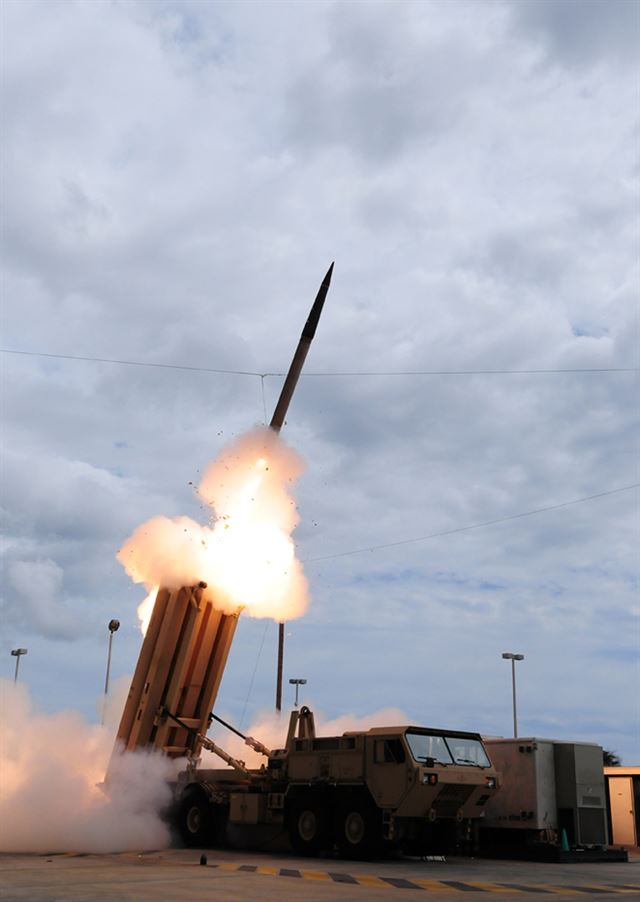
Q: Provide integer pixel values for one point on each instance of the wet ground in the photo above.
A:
(177, 874)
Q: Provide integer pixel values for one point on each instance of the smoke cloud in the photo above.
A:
(51, 766)
(247, 557)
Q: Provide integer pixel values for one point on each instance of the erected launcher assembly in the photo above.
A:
(401, 785)
(186, 646)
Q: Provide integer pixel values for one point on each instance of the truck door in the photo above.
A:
(387, 770)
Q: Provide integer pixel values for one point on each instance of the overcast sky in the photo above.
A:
(177, 177)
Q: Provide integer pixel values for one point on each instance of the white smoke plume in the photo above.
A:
(51, 766)
(271, 729)
(247, 557)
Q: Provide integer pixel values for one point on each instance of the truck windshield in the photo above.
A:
(423, 747)
(447, 749)
(467, 751)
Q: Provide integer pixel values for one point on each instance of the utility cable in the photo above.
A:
(167, 366)
(328, 373)
(470, 372)
(450, 532)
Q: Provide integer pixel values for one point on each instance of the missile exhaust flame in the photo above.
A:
(247, 556)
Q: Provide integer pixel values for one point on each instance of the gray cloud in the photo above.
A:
(34, 599)
(581, 32)
(386, 81)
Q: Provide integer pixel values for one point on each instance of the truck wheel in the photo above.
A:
(308, 826)
(358, 830)
(194, 820)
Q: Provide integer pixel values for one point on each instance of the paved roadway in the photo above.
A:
(176, 874)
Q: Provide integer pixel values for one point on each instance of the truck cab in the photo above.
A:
(404, 785)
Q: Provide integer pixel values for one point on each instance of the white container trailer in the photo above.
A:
(527, 796)
(550, 791)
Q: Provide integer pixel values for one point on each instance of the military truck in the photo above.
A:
(406, 786)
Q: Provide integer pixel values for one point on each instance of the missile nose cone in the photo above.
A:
(312, 323)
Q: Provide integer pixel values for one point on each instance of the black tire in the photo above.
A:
(308, 825)
(358, 829)
(194, 819)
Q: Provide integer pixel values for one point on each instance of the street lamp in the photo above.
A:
(17, 654)
(114, 626)
(297, 684)
(509, 656)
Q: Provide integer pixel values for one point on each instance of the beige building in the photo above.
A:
(624, 805)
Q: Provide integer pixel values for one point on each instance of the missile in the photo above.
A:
(277, 420)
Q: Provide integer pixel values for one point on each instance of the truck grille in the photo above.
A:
(450, 799)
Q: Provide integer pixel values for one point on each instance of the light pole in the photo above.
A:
(17, 654)
(509, 656)
(279, 668)
(114, 626)
(297, 684)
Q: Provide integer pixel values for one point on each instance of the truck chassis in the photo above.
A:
(360, 793)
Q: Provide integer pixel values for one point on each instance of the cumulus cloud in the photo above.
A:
(36, 589)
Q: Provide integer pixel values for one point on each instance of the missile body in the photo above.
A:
(277, 420)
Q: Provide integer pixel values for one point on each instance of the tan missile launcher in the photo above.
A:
(411, 787)
(185, 650)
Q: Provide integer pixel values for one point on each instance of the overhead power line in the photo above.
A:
(167, 366)
(450, 532)
(470, 372)
(328, 373)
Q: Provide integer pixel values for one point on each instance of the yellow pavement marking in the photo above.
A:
(438, 886)
(554, 888)
(435, 885)
(315, 875)
(367, 880)
(611, 889)
(579, 888)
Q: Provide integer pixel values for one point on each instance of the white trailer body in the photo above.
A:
(527, 796)
(550, 786)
